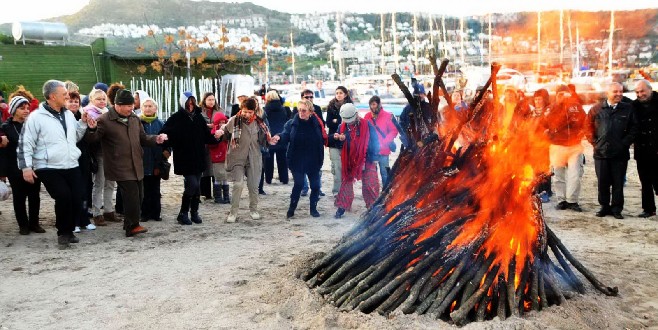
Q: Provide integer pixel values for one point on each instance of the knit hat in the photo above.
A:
(184, 97)
(101, 86)
(420, 89)
(124, 97)
(348, 113)
(15, 103)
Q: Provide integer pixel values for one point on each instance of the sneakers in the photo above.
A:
(183, 219)
(91, 226)
(562, 205)
(231, 218)
(254, 215)
(646, 214)
(77, 229)
(574, 207)
(339, 213)
(37, 229)
(135, 231)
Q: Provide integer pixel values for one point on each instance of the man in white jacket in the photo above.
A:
(47, 150)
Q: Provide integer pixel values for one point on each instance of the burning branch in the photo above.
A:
(457, 234)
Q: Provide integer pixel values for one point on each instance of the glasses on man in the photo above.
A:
(308, 97)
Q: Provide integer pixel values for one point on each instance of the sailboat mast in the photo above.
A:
(415, 44)
(292, 51)
(570, 39)
(267, 63)
(443, 32)
(382, 62)
(561, 37)
(490, 38)
(395, 42)
(612, 31)
(339, 37)
(538, 42)
(461, 38)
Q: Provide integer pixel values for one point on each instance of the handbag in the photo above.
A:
(164, 166)
(5, 192)
(391, 145)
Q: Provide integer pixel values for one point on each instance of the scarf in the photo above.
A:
(93, 111)
(237, 129)
(148, 120)
(353, 154)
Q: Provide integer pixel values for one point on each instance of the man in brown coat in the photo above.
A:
(122, 136)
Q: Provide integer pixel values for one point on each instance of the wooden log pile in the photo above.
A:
(457, 233)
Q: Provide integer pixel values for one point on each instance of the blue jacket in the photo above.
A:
(152, 155)
(305, 146)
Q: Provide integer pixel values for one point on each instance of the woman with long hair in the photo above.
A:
(333, 123)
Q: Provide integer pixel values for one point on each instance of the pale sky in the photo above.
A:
(31, 10)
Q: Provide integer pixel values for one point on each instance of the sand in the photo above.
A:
(241, 276)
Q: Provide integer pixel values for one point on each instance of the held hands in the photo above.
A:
(339, 137)
(219, 133)
(3, 141)
(275, 139)
(29, 175)
(161, 138)
(166, 154)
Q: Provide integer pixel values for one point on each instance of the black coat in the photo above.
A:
(8, 159)
(188, 136)
(333, 113)
(646, 141)
(277, 116)
(611, 132)
(305, 144)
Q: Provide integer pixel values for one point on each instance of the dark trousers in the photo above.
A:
(610, 174)
(65, 187)
(192, 184)
(132, 194)
(151, 205)
(119, 202)
(281, 164)
(314, 180)
(22, 192)
(646, 169)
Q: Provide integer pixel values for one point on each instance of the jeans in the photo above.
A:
(192, 184)
(305, 187)
(384, 167)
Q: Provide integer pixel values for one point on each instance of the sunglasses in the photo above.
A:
(308, 97)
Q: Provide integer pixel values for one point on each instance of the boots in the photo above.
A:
(194, 209)
(314, 209)
(291, 208)
(225, 190)
(99, 220)
(111, 217)
(217, 190)
(183, 218)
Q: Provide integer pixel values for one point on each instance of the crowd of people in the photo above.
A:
(84, 149)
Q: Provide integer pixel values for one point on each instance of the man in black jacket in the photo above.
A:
(646, 145)
(612, 127)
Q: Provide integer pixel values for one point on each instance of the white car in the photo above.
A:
(511, 77)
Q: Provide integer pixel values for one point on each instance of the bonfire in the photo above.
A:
(458, 233)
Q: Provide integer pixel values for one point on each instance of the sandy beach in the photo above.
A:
(242, 275)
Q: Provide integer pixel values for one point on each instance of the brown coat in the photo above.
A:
(122, 145)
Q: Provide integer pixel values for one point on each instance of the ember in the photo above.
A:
(457, 233)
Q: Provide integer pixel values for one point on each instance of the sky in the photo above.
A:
(32, 10)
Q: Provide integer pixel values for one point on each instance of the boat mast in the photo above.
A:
(490, 48)
(612, 31)
(395, 42)
(415, 45)
(382, 62)
(538, 42)
(292, 51)
(461, 39)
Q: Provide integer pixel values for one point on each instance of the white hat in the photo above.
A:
(348, 113)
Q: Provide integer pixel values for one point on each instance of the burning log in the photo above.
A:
(457, 233)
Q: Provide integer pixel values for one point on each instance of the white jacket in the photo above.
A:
(43, 144)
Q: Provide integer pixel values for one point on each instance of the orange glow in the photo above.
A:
(453, 305)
